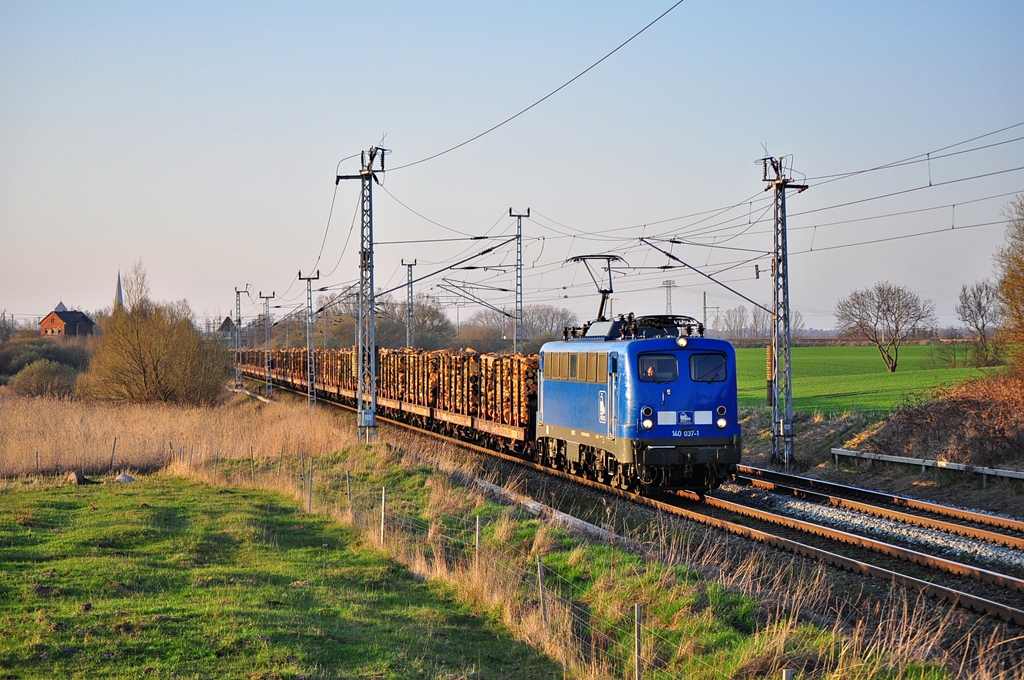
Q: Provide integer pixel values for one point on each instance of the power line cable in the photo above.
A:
(327, 229)
(899, 238)
(542, 99)
(918, 157)
(908, 191)
(434, 240)
(898, 214)
(420, 215)
(351, 228)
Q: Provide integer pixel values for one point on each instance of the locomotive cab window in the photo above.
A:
(708, 368)
(658, 367)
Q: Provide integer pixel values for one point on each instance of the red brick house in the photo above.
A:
(62, 322)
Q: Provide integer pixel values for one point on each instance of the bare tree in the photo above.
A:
(152, 352)
(760, 323)
(1010, 268)
(980, 310)
(735, 322)
(433, 329)
(7, 326)
(796, 323)
(492, 319)
(546, 320)
(885, 315)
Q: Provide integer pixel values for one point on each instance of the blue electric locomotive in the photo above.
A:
(640, 403)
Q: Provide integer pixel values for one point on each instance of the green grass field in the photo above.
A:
(836, 379)
(171, 578)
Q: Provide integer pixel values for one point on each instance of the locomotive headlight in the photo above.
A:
(721, 422)
(682, 342)
(647, 423)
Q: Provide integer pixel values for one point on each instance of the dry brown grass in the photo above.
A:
(74, 435)
(978, 422)
(872, 637)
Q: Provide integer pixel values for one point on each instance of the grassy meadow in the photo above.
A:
(838, 379)
(209, 567)
(169, 577)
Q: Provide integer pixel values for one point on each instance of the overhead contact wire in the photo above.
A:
(544, 98)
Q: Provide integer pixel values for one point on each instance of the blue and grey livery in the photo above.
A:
(640, 403)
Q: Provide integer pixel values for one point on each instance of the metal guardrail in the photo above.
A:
(926, 463)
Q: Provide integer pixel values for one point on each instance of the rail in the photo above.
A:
(926, 463)
(801, 487)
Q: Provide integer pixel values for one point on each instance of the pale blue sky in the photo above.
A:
(203, 138)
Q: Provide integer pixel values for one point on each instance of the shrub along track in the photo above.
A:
(817, 542)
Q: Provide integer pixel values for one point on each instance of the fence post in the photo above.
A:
(383, 506)
(788, 674)
(348, 491)
(216, 461)
(252, 465)
(280, 463)
(190, 452)
(540, 589)
(476, 545)
(37, 462)
(112, 452)
(309, 504)
(638, 616)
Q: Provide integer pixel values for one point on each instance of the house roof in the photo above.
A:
(227, 325)
(72, 318)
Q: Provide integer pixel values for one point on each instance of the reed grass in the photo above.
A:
(74, 435)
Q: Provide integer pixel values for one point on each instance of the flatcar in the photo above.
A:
(640, 403)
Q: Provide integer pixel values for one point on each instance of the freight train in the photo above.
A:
(638, 403)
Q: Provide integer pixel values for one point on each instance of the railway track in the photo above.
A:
(967, 523)
(712, 511)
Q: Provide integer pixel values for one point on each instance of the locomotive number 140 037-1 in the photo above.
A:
(685, 433)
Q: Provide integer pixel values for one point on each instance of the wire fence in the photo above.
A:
(536, 603)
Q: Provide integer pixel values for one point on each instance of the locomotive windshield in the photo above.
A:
(658, 367)
(707, 368)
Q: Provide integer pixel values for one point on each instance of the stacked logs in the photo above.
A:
(495, 387)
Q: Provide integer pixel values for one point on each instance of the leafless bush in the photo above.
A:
(152, 352)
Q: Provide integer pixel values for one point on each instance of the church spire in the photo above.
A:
(118, 297)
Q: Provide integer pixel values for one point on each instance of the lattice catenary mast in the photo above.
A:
(668, 285)
(310, 354)
(366, 389)
(410, 317)
(517, 330)
(782, 370)
(266, 330)
(238, 335)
